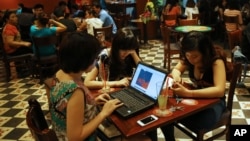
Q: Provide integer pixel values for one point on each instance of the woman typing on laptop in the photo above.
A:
(206, 65)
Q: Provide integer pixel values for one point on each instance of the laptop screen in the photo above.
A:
(145, 79)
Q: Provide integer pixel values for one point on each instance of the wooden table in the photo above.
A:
(129, 127)
(119, 6)
(145, 32)
(188, 28)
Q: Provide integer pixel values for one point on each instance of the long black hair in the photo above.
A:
(123, 40)
(195, 40)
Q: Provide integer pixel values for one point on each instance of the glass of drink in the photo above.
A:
(104, 76)
(163, 96)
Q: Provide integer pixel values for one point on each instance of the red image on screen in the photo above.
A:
(144, 79)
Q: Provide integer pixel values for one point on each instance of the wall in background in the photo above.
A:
(49, 5)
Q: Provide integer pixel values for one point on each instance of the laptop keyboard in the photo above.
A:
(133, 102)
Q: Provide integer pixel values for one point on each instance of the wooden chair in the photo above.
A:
(231, 21)
(198, 17)
(37, 123)
(45, 65)
(183, 22)
(23, 61)
(170, 49)
(170, 20)
(235, 39)
(226, 117)
(106, 30)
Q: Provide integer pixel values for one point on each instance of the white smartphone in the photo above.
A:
(147, 120)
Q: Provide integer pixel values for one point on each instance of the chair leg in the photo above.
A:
(164, 60)
(200, 136)
(7, 70)
(228, 134)
(169, 62)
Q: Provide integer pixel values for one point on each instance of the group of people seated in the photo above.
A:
(211, 13)
(69, 95)
(41, 24)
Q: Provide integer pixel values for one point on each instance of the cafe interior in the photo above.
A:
(155, 36)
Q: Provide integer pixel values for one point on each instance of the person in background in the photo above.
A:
(79, 18)
(22, 8)
(63, 18)
(75, 10)
(38, 9)
(103, 4)
(90, 21)
(104, 16)
(207, 75)
(62, 5)
(172, 8)
(11, 36)
(245, 10)
(183, 4)
(42, 29)
(191, 8)
(13, 44)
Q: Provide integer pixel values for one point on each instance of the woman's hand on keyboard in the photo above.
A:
(102, 99)
(110, 106)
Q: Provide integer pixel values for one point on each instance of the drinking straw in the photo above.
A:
(166, 91)
(104, 74)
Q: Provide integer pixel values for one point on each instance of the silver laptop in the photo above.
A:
(141, 94)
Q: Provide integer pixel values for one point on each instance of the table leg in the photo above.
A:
(145, 36)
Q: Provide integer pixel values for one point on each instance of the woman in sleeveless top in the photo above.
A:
(73, 109)
(206, 65)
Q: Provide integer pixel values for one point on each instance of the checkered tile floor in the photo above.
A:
(15, 94)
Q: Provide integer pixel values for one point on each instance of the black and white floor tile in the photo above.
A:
(15, 94)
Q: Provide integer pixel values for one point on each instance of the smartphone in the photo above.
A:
(147, 120)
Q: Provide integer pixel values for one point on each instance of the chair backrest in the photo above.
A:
(106, 30)
(231, 22)
(170, 19)
(40, 42)
(37, 124)
(46, 66)
(195, 16)
(183, 22)
(234, 38)
(198, 17)
(230, 19)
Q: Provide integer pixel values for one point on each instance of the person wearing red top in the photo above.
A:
(172, 8)
(13, 44)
